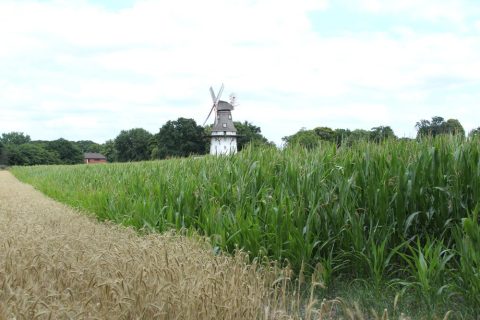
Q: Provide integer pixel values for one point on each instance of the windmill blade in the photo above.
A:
(219, 94)
(209, 114)
(213, 95)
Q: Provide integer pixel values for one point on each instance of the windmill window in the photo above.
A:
(224, 125)
(230, 117)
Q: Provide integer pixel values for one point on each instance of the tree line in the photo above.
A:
(179, 138)
(345, 137)
(183, 137)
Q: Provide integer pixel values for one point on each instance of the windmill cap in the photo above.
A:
(224, 106)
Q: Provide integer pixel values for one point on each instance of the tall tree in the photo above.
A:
(305, 138)
(3, 154)
(88, 146)
(248, 133)
(437, 126)
(342, 136)
(179, 138)
(381, 133)
(16, 138)
(67, 151)
(133, 145)
(109, 151)
(30, 154)
(475, 133)
(453, 126)
(359, 135)
(325, 133)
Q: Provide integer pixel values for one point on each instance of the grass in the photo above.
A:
(400, 214)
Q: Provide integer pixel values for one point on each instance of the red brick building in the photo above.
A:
(91, 158)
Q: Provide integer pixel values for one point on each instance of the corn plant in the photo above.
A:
(428, 269)
(467, 238)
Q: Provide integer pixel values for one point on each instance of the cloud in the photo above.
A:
(81, 71)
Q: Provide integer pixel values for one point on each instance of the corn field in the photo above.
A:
(401, 214)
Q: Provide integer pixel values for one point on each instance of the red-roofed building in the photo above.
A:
(91, 158)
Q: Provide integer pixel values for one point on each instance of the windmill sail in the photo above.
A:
(213, 107)
(215, 100)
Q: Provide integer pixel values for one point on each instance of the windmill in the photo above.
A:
(224, 133)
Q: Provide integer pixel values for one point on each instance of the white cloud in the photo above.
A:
(94, 72)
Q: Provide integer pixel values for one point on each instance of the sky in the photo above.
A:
(87, 69)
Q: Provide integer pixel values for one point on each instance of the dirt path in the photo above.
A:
(58, 264)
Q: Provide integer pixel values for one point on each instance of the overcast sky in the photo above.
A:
(87, 69)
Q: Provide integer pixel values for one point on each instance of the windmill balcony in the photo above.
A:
(224, 133)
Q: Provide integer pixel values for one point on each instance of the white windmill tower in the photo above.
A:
(224, 133)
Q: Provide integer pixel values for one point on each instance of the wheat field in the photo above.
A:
(56, 263)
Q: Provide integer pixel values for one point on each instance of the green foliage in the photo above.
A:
(475, 133)
(437, 126)
(358, 135)
(249, 133)
(377, 212)
(467, 239)
(19, 150)
(453, 126)
(88, 146)
(342, 137)
(325, 133)
(304, 138)
(179, 138)
(67, 151)
(109, 151)
(428, 270)
(29, 154)
(2, 148)
(380, 134)
(3, 155)
(14, 138)
(133, 145)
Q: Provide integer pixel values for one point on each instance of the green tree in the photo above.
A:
(430, 128)
(88, 146)
(437, 126)
(67, 151)
(381, 133)
(325, 133)
(15, 157)
(30, 154)
(133, 145)
(3, 154)
(475, 133)
(109, 151)
(179, 138)
(15, 138)
(453, 126)
(306, 138)
(249, 133)
(358, 135)
(342, 136)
